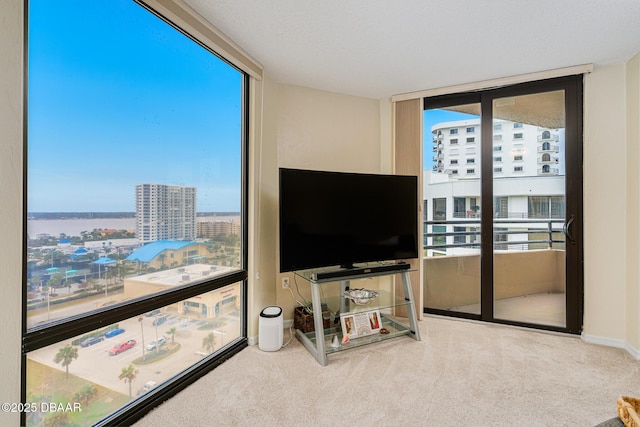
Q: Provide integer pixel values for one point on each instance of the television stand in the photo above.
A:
(388, 304)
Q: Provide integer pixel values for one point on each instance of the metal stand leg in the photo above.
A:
(321, 353)
(345, 303)
(408, 295)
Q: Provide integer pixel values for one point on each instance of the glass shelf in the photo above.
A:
(384, 300)
(394, 327)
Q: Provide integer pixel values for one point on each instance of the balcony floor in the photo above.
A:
(542, 309)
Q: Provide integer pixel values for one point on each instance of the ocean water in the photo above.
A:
(73, 227)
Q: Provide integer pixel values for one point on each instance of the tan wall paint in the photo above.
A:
(408, 149)
(11, 41)
(262, 204)
(632, 299)
(604, 202)
(324, 131)
(327, 131)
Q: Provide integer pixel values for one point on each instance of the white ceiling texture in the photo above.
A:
(380, 48)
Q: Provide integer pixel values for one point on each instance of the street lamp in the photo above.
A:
(157, 343)
(48, 306)
(142, 333)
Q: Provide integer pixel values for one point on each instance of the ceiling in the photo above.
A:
(380, 48)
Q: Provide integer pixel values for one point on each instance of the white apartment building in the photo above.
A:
(165, 212)
(528, 182)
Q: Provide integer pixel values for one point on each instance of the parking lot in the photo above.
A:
(95, 364)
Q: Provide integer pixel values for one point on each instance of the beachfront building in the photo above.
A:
(165, 254)
(165, 212)
(528, 183)
(211, 305)
(211, 229)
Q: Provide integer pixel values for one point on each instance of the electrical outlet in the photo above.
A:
(285, 283)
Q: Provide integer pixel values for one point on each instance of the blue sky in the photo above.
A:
(117, 98)
(432, 117)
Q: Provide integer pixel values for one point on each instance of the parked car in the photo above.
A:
(146, 387)
(91, 341)
(113, 332)
(160, 342)
(152, 313)
(123, 346)
(159, 320)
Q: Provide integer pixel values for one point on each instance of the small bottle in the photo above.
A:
(335, 342)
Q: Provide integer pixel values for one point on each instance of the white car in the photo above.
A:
(160, 342)
(147, 387)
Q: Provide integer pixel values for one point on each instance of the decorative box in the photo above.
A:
(304, 321)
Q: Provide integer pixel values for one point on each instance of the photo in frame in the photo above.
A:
(355, 325)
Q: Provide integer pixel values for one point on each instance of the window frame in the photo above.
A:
(56, 331)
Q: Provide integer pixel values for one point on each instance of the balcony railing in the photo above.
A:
(550, 138)
(545, 232)
(549, 149)
(551, 160)
(548, 171)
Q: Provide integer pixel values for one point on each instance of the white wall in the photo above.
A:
(11, 41)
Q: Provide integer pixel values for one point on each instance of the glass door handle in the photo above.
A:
(566, 229)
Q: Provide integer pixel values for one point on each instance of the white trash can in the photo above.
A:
(270, 329)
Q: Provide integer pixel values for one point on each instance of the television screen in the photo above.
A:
(338, 218)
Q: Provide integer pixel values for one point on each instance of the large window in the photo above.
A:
(136, 245)
(440, 209)
(546, 206)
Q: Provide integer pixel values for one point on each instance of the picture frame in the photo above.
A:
(361, 324)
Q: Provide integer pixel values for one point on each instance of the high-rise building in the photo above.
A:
(165, 212)
(528, 168)
(210, 229)
(519, 149)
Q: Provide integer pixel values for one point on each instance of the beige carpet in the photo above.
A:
(460, 374)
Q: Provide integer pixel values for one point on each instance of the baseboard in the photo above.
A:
(612, 342)
(286, 324)
(632, 350)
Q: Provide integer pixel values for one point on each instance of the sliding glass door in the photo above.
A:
(507, 245)
(452, 189)
(529, 265)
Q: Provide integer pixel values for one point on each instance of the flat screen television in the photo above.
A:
(341, 218)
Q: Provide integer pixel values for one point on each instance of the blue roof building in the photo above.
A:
(169, 253)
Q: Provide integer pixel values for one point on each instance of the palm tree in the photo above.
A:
(56, 279)
(172, 332)
(65, 356)
(208, 342)
(128, 374)
(84, 396)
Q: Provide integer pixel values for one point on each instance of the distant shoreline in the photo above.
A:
(75, 226)
(99, 215)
